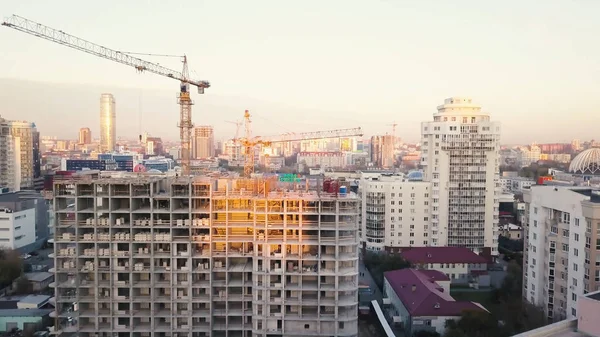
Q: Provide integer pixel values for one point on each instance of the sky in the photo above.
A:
(311, 65)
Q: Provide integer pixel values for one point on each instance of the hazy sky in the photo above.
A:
(312, 65)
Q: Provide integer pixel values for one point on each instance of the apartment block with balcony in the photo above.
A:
(151, 255)
(460, 157)
(560, 247)
(395, 213)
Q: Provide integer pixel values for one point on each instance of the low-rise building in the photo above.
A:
(419, 300)
(515, 184)
(23, 220)
(24, 312)
(461, 265)
(39, 280)
(511, 231)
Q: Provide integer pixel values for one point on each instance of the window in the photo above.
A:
(576, 236)
(565, 233)
(535, 210)
(575, 266)
(534, 223)
(576, 222)
(533, 262)
(576, 251)
(565, 247)
(566, 217)
(573, 312)
(574, 281)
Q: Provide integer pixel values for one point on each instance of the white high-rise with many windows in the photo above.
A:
(460, 155)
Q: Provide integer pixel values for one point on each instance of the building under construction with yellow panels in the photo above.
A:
(153, 255)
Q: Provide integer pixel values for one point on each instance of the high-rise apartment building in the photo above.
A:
(382, 151)
(148, 255)
(395, 212)
(85, 136)
(203, 142)
(108, 123)
(460, 155)
(19, 154)
(561, 258)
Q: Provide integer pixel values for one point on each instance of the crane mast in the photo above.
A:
(185, 118)
(250, 143)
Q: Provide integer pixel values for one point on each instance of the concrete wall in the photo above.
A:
(433, 323)
(395, 308)
(19, 320)
(457, 272)
(17, 229)
(588, 321)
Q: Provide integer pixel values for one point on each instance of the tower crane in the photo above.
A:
(249, 143)
(237, 128)
(185, 116)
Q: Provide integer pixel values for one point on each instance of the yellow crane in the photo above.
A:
(250, 143)
(185, 116)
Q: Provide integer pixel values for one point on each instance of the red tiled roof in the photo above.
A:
(434, 275)
(441, 255)
(421, 296)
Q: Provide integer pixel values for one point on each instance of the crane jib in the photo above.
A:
(71, 41)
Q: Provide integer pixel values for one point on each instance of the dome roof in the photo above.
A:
(587, 162)
(415, 176)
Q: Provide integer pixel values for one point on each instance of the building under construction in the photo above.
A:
(156, 255)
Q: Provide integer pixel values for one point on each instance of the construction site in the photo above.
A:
(158, 255)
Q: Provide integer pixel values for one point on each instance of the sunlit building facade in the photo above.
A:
(460, 157)
(108, 123)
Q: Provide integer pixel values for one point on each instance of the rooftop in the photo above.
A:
(38, 300)
(25, 312)
(442, 255)
(434, 275)
(422, 296)
(38, 276)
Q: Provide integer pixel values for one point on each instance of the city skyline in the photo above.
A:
(506, 59)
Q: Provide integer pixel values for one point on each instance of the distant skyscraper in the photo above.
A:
(382, 151)
(204, 142)
(108, 123)
(460, 154)
(85, 136)
(19, 155)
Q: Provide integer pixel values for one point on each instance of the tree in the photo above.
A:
(10, 267)
(426, 333)
(379, 263)
(22, 286)
(473, 324)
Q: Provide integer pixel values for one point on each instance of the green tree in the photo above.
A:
(426, 333)
(473, 324)
(10, 267)
(379, 263)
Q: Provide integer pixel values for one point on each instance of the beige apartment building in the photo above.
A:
(561, 259)
(151, 255)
